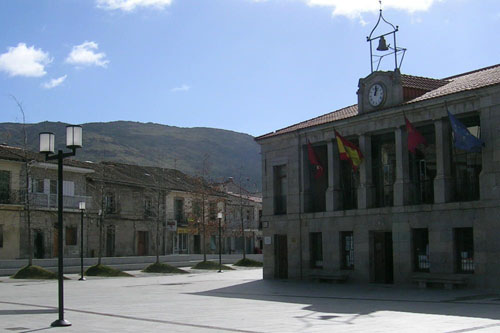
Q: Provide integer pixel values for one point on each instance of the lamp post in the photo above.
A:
(219, 217)
(81, 206)
(47, 144)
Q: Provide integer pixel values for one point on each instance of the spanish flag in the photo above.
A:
(348, 151)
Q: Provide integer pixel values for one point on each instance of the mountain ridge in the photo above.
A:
(231, 154)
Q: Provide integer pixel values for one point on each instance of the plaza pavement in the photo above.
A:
(240, 301)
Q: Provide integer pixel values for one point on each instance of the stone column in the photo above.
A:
(334, 192)
(402, 182)
(366, 190)
(443, 181)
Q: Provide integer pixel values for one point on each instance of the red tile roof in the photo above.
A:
(435, 88)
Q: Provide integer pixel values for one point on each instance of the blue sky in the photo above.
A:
(244, 65)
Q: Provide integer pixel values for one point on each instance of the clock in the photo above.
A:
(376, 94)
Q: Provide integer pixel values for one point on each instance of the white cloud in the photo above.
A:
(54, 82)
(130, 5)
(24, 61)
(184, 87)
(354, 8)
(85, 55)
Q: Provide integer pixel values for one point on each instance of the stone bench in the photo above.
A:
(449, 281)
(338, 277)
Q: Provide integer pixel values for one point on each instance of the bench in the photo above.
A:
(329, 277)
(449, 281)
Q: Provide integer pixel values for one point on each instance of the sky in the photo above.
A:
(250, 66)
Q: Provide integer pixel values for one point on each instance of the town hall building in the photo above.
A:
(385, 191)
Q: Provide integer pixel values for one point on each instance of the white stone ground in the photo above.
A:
(240, 301)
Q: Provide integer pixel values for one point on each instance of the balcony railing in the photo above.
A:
(43, 200)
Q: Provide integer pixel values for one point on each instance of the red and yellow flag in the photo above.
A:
(348, 151)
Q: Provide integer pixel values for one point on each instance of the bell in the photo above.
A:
(382, 46)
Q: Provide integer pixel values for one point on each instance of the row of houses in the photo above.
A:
(130, 210)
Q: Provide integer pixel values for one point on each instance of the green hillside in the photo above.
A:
(231, 153)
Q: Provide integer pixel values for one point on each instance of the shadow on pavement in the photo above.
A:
(24, 312)
(365, 300)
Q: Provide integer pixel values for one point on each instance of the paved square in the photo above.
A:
(240, 301)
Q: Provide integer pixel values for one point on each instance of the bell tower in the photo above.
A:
(382, 89)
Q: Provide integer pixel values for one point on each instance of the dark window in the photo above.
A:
(109, 203)
(38, 186)
(4, 186)
(280, 189)
(316, 248)
(466, 166)
(260, 220)
(53, 186)
(179, 210)
(197, 208)
(1, 235)
(248, 214)
(384, 168)
(71, 236)
(212, 211)
(315, 181)
(464, 250)
(347, 250)
(349, 181)
(420, 250)
(423, 168)
(148, 206)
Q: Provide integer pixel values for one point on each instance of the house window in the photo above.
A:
(466, 166)
(53, 186)
(212, 211)
(179, 210)
(109, 203)
(280, 189)
(71, 236)
(316, 249)
(1, 235)
(422, 167)
(420, 250)
(248, 214)
(4, 186)
(315, 178)
(38, 186)
(197, 208)
(464, 250)
(148, 207)
(347, 250)
(384, 168)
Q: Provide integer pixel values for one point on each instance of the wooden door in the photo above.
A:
(280, 257)
(142, 243)
(382, 257)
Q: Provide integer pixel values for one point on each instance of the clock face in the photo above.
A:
(376, 94)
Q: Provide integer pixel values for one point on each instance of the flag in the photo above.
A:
(348, 151)
(319, 171)
(414, 137)
(462, 138)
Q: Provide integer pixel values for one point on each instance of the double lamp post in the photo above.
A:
(47, 147)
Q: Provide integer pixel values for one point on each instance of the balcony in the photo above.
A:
(43, 200)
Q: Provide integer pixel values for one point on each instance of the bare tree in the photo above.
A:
(27, 166)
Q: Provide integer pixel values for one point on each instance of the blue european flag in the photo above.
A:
(463, 139)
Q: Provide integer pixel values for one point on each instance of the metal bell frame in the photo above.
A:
(375, 58)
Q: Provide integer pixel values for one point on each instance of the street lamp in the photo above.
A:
(219, 217)
(81, 206)
(47, 146)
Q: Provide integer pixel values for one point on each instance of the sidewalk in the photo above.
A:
(240, 301)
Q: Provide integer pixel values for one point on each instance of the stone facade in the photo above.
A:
(401, 214)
